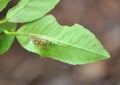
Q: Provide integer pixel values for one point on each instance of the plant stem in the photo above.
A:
(18, 34)
(3, 21)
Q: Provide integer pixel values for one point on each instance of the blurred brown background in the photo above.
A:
(102, 17)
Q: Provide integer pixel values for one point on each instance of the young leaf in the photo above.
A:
(3, 4)
(6, 40)
(29, 10)
(73, 45)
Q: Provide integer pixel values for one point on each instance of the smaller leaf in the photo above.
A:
(29, 10)
(6, 40)
(3, 4)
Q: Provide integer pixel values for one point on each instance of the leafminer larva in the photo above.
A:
(41, 42)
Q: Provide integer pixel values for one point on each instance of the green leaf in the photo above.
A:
(73, 45)
(3, 4)
(29, 10)
(6, 40)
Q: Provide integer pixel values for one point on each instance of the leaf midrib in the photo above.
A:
(65, 43)
(79, 47)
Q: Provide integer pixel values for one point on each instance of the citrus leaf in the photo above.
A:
(29, 10)
(6, 40)
(3, 4)
(73, 45)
